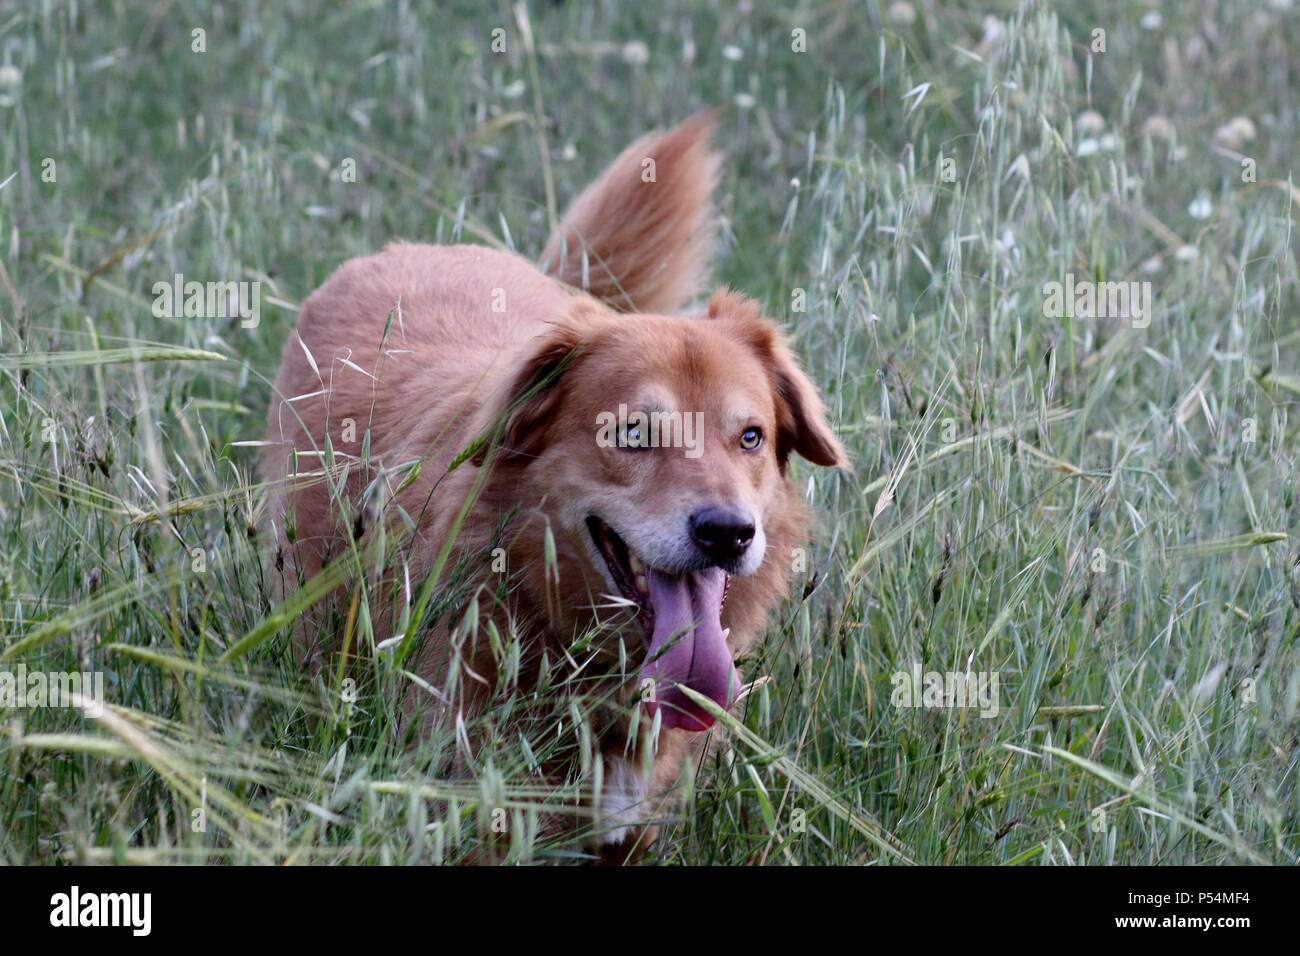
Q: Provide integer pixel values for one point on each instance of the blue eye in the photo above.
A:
(751, 438)
(631, 437)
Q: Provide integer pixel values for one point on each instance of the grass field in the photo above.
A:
(1101, 513)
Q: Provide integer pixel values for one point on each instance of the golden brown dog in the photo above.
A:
(633, 451)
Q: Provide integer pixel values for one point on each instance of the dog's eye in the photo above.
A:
(632, 437)
(751, 438)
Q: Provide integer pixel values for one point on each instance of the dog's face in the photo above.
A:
(659, 445)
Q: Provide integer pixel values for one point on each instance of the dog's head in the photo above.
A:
(659, 445)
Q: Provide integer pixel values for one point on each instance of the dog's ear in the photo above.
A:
(526, 407)
(801, 421)
(801, 417)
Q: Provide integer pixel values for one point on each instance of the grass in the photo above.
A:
(1071, 504)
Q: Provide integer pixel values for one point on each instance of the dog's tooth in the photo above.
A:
(635, 564)
(641, 584)
(726, 633)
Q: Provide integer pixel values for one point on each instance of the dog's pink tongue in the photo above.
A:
(687, 647)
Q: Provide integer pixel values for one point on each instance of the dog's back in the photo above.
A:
(400, 346)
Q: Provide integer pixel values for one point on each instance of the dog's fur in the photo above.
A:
(483, 343)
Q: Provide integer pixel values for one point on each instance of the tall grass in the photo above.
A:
(1070, 504)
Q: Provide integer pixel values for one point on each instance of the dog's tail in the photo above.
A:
(641, 236)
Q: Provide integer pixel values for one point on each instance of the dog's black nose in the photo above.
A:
(722, 534)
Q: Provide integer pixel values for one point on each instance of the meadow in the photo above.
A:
(1095, 516)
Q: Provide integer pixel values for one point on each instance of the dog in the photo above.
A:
(535, 400)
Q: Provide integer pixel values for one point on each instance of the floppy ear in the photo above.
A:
(800, 416)
(526, 407)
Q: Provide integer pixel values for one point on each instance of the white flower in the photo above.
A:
(1089, 146)
(733, 53)
(1090, 121)
(1158, 127)
(636, 53)
(902, 13)
(992, 31)
(1201, 207)
(1235, 133)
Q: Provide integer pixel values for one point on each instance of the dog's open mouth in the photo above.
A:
(681, 615)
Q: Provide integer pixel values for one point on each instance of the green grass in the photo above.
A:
(996, 451)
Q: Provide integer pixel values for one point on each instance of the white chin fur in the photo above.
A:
(622, 801)
(754, 556)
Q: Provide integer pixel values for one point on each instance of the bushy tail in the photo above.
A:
(646, 225)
